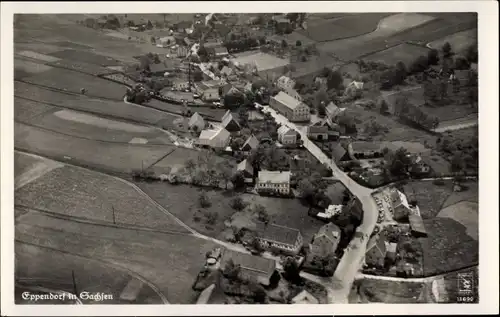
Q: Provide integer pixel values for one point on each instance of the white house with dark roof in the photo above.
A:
(290, 107)
(325, 241)
(197, 121)
(250, 144)
(247, 169)
(285, 83)
(217, 138)
(304, 297)
(230, 123)
(317, 132)
(251, 267)
(276, 238)
(274, 181)
(287, 136)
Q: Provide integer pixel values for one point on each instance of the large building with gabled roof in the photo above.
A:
(279, 239)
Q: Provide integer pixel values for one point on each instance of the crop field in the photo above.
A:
(465, 213)
(458, 41)
(178, 158)
(182, 201)
(38, 56)
(71, 81)
(86, 57)
(114, 109)
(73, 45)
(377, 291)
(89, 195)
(430, 197)
(263, 61)
(405, 53)
(29, 67)
(27, 110)
(91, 127)
(23, 162)
(123, 158)
(90, 275)
(342, 27)
(86, 68)
(448, 246)
(169, 261)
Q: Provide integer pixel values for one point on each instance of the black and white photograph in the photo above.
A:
(233, 158)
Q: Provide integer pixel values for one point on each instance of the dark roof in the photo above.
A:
(417, 224)
(277, 233)
(252, 142)
(249, 262)
(338, 152)
(183, 24)
(376, 245)
(158, 67)
(245, 166)
(317, 129)
(220, 50)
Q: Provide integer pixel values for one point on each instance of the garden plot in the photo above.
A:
(38, 56)
(88, 126)
(73, 45)
(170, 261)
(114, 157)
(379, 291)
(429, 196)
(85, 194)
(56, 273)
(113, 109)
(29, 67)
(28, 111)
(70, 81)
(27, 168)
(458, 41)
(87, 57)
(406, 53)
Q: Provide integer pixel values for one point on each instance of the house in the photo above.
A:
(330, 212)
(217, 138)
(321, 80)
(251, 267)
(229, 89)
(273, 181)
(285, 83)
(286, 135)
(226, 71)
(332, 111)
(304, 297)
(376, 251)
(460, 76)
(180, 84)
(399, 204)
(167, 40)
(319, 133)
(283, 24)
(355, 85)
(250, 144)
(247, 169)
(182, 26)
(230, 123)
(417, 225)
(290, 107)
(279, 239)
(219, 52)
(210, 94)
(196, 122)
(182, 51)
(339, 153)
(365, 149)
(418, 166)
(391, 252)
(325, 241)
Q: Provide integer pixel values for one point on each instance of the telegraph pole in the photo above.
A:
(74, 283)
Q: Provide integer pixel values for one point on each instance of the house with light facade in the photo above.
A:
(279, 239)
(273, 181)
(287, 136)
(293, 109)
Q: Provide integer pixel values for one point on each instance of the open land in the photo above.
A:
(377, 291)
(405, 53)
(458, 41)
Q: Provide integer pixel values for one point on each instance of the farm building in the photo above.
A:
(319, 133)
(285, 83)
(418, 166)
(376, 251)
(286, 135)
(181, 51)
(230, 123)
(276, 238)
(210, 94)
(180, 84)
(196, 122)
(332, 111)
(247, 169)
(250, 144)
(417, 225)
(325, 242)
(263, 62)
(339, 153)
(274, 182)
(399, 203)
(304, 297)
(214, 138)
(218, 52)
(364, 149)
(252, 267)
(290, 107)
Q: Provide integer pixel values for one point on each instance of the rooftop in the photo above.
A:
(262, 61)
(284, 129)
(329, 230)
(275, 177)
(416, 223)
(252, 142)
(249, 262)
(287, 100)
(304, 297)
(245, 166)
(277, 233)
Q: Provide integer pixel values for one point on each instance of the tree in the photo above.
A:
(259, 294)
(461, 63)
(430, 92)
(321, 109)
(419, 65)
(145, 62)
(237, 203)
(197, 76)
(153, 40)
(284, 44)
(238, 179)
(457, 163)
(383, 107)
(204, 200)
(399, 162)
(446, 49)
(471, 53)
(232, 271)
(400, 73)
(334, 80)
(261, 212)
(291, 270)
(298, 43)
(149, 25)
(306, 189)
(211, 217)
(433, 57)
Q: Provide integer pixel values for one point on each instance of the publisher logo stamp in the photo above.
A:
(465, 287)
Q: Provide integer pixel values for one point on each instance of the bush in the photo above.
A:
(237, 203)
(438, 182)
(204, 200)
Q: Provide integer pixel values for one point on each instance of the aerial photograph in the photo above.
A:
(240, 158)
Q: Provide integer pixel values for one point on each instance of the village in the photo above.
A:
(259, 127)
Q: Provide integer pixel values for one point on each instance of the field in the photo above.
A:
(458, 41)
(90, 275)
(27, 110)
(27, 67)
(342, 27)
(405, 53)
(78, 124)
(177, 159)
(169, 261)
(465, 213)
(211, 114)
(263, 61)
(448, 246)
(38, 56)
(86, 57)
(89, 195)
(70, 81)
(113, 157)
(377, 291)
(79, 66)
(114, 109)
(430, 197)
(23, 162)
(182, 201)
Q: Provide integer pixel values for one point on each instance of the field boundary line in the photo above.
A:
(108, 263)
(95, 222)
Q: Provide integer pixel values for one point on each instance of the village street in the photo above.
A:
(340, 284)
